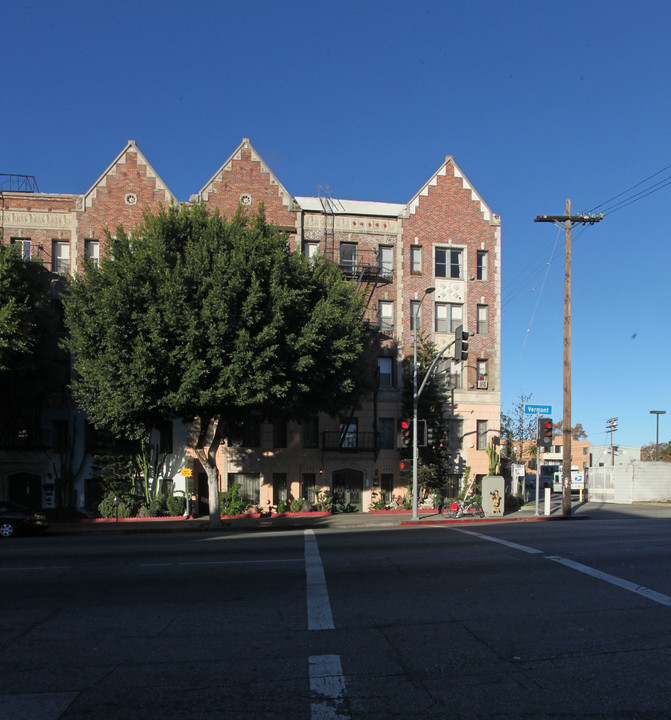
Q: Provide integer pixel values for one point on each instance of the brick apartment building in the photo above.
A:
(445, 237)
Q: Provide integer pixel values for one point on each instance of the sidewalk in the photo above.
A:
(283, 522)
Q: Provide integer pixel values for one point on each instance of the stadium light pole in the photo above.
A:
(415, 398)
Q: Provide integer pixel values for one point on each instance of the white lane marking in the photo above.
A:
(507, 543)
(327, 688)
(606, 577)
(598, 574)
(221, 562)
(41, 567)
(319, 607)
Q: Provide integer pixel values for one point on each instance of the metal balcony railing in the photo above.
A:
(349, 442)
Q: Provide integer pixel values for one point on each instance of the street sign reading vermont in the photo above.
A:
(538, 409)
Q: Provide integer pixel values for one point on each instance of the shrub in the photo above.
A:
(281, 506)
(378, 502)
(176, 505)
(323, 503)
(108, 509)
(296, 505)
(231, 502)
(158, 506)
(144, 512)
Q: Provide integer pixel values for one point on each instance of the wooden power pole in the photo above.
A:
(567, 219)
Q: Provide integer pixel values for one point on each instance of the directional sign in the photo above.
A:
(538, 409)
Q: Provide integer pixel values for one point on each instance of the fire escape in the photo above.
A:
(365, 267)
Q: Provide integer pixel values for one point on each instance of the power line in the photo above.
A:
(631, 188)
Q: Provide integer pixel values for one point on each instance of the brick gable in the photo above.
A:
(245, 178)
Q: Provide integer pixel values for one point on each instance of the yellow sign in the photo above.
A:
(186, 472)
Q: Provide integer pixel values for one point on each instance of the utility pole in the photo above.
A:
(567, 219)
(611, 426)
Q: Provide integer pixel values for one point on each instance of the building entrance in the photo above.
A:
(347, 490)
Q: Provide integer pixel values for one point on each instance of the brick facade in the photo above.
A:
(446, 214)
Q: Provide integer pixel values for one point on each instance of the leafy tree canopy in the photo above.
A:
(29, 357)
(205, 319)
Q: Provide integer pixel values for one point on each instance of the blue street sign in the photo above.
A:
(538, 409)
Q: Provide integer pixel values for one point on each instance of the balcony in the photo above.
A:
(363, 264)
(350, 442)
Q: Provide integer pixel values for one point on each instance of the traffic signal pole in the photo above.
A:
(567, 219)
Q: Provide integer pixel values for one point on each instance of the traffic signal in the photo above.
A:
(406, 433)
(421, 433)
(461, 343)
(545, 433)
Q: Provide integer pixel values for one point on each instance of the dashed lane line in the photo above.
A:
(585, 569)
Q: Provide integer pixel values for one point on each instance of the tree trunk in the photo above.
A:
(210, 428)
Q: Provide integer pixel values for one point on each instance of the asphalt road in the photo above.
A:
(522, 620)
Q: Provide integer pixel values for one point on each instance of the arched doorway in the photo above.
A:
(26, 489)
(347, 490)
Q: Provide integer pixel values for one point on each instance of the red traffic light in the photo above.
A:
(405, 425)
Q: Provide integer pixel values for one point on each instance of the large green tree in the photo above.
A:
(31, 365)
(212, 320)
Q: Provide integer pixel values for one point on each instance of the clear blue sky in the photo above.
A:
(537, 102)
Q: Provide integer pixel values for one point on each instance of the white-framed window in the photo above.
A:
(348, 256)
(385, 315)
(449, 263)
(449, 316)
(386, 260)
(483, 319)
(24, 244)
(454, 379)
(483, 377)
(415, 315)
(385, 370)
(250, 485)
(61, 257)
(482, 265)
(481, 435)
(415, 259)
(310, 249)
(92, 249)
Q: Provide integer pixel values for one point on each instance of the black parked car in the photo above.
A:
(16, 519)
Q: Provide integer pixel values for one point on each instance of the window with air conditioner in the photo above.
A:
(482, 375)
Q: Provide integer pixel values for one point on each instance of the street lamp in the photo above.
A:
(658, 413)
(415, 397)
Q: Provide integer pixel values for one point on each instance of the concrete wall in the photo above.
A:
(636, 482)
